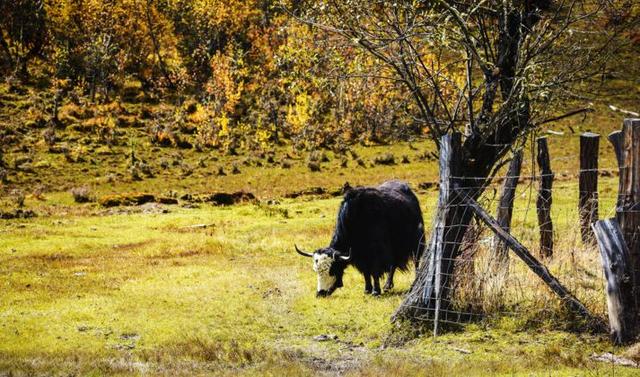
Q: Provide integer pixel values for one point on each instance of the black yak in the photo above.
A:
(377, 231)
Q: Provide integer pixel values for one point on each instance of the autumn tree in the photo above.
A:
(23, 33)
(103, 43)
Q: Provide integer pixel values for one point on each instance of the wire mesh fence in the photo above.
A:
(484, 282)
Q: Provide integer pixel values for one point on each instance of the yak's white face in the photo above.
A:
(329, 264)
(321, 265)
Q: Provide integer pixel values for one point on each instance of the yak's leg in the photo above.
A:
(389, 284)
(376, 285)
(367, 283)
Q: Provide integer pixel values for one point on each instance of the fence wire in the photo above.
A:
(487, 283)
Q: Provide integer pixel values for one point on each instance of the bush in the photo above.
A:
(385, 159)
(145, 169)
(186, 169)
(127, 199)
(18, 198)
(81, 194)
(313, 166)
(315, 156)
(135, 173)
(318, 156)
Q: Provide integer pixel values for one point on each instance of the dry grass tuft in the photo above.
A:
(82, 194)
(633, 353)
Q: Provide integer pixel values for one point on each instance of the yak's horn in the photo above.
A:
(304, 254)
(347, 258)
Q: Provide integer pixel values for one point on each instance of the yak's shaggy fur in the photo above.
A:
(379, 229)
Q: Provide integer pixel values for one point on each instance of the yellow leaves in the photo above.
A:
(263, 136)
(223, 125)
(226, 84)
(233, 15)
(299, 114)
(259, 69)
(200, 115)
(138, 33)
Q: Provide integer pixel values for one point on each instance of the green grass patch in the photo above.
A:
(147, 293)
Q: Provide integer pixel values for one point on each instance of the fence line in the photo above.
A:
(484, 284)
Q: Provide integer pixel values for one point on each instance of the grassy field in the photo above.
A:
(88, 290)
(139, 290)
(130, 294)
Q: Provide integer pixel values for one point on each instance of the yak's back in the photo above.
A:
(388, 198)
(387, 215)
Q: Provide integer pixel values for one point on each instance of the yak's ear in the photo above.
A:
(346, 188)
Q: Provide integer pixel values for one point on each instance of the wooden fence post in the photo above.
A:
(628, 211)
(588, 184)
(543, 203)
(425, 298)
(617, 140)
(505, 207)
(623, 312)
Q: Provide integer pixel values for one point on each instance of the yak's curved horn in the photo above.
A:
(347, 258)
(303, 253)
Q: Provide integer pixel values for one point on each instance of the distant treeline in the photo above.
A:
(253, 69)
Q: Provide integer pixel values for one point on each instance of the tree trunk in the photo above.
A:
(156, 47)
(430, 293)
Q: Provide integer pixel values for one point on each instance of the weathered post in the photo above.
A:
(617, 140)
(505, 207)
(623, 312)
(428, 296)
(543, 203)
(588, 184)
(447, 148)
(619, 239)
(628, 211)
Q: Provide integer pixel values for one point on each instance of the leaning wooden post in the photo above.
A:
(628, 211)
(623, 312)
(505, 207)
(588, 184)
(571, 302)
(543, 204)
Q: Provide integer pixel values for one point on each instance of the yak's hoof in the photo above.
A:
(367, 291)
(375, 293)
(388, 287)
